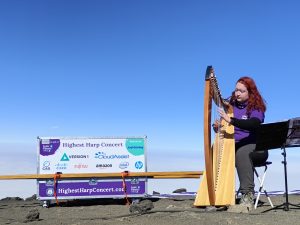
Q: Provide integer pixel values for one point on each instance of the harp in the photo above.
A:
(217, 187)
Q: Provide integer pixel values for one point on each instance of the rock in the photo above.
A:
(141, 207)
(32, 198)
(170, 206)
(33, 215)
(180, 190)
(12, 199)
(240, 208)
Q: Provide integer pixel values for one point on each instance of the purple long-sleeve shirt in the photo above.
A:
(240, 112)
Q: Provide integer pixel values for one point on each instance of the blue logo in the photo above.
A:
(139, 165)
(64, 157)
(123, 165)
(61, 166)
(102, 155)
(135, 146)
(50, 191)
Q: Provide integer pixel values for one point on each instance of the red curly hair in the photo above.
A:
(255, 101)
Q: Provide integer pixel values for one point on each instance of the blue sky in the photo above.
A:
(136, 67)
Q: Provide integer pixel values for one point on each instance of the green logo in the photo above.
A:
(65, 158)
(135, 146)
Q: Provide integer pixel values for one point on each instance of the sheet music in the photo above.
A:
(293, 138)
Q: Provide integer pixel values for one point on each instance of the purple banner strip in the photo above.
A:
(88, 188)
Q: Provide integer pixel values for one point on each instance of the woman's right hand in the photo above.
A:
(216, 126)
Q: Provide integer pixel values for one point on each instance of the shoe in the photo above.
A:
(247, 198)
(245, 205)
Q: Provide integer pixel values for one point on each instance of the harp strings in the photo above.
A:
(219, 136)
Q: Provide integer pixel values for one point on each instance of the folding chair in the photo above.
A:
(261, 181)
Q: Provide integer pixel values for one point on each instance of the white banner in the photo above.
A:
(91, 155)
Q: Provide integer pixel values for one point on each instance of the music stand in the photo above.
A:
(282, 135)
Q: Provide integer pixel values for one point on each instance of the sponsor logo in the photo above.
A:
(139, 165)
(135, 146)
(80, 166)
(102, 155)
(135, 181)
(93, 181)
(64, 157)
(49, 191)
(46, 165)
(49, 182)
(49, 146)
(123, 165)
(78, 156)
(61, 166)
(103, 166)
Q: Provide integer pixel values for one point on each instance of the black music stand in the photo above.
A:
(282, 135)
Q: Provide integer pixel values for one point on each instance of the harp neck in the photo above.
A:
(215, 93)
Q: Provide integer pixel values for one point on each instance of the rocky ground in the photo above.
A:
(152, 211)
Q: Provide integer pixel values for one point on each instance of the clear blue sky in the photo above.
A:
(136, 67)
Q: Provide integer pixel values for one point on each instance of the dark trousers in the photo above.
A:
(245, 161)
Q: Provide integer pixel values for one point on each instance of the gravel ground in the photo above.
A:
(165, 211)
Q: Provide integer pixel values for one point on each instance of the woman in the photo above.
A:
(249, 108)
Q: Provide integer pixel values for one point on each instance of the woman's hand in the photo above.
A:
(224, 116)
(216, 126)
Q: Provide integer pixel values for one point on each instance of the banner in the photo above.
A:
(91, 155)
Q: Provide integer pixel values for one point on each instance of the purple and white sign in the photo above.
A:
(91, 189)
(90, 155)
(49, 146)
